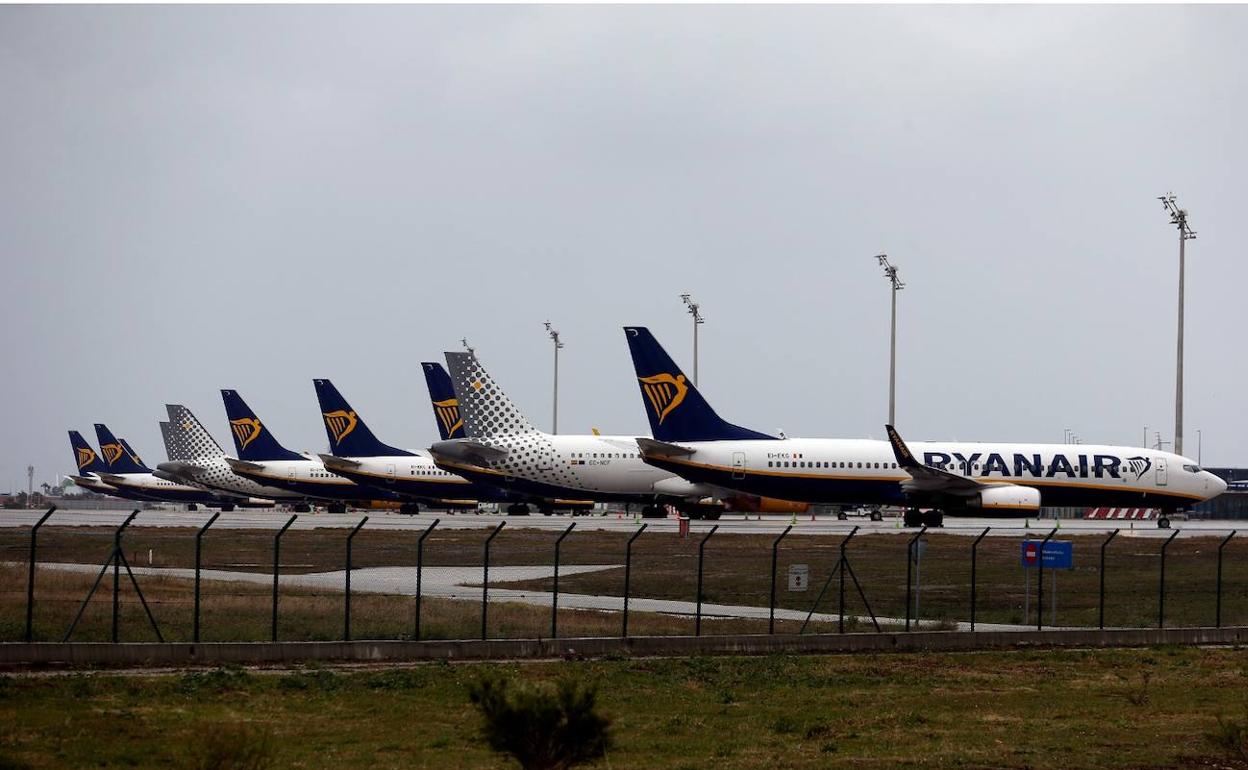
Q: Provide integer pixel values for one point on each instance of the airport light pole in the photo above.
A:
(554, 337)
(1199, 441)
(694, 310)
(1178, 218)
(890, 272)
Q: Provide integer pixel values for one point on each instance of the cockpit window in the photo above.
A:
(1192, 468)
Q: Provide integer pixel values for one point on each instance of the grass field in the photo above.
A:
(737, 571)
(1037, 709)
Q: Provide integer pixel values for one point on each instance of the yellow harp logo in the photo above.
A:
(340, 423)
(245, 430)
(664, 392)
(86, 456)
(448, 415)
(112, 452)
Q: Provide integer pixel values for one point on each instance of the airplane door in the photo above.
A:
(390, 473)
(738, 465)
(1161, 471)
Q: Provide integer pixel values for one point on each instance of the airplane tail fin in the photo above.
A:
(133, 454)
(191, 440)
(348, 435)
(252, 441)
(116, 453)
(676, 409)
(86, 458)
(445, 405)
(486, 410)
(174, 449)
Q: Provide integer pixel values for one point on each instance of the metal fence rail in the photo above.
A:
(213, 583)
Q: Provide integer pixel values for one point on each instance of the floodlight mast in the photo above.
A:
(890, 272)
(1178, 218)
(554, 337)
(694, 310)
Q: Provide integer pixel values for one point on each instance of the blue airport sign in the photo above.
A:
(1058, 554)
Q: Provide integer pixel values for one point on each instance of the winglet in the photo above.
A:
(904, 458)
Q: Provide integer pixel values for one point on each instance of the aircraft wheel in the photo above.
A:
(877, 516)
(302, 508)
(517, 509)
(712, 515)
(652, 512)
(934, 518)
(227, 508)
(842, 515)
(192, 507)
(1163, 523)
(912, 518)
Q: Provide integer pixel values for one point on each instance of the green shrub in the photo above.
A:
(1231, 735)
(232, 747)
(542, 727)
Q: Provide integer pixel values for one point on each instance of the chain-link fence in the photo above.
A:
(320, 577)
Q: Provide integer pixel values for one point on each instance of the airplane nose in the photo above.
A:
(1215, 483)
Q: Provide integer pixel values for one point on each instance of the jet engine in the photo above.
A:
(1008, 497)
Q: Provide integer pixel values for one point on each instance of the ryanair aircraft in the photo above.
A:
(265, 461)
(195, 457)
(956, 478)
(126, 472)
(91, 468)
(505, 450)
(358, 454)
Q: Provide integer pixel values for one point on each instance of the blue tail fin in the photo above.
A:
(348, 435)
(676, 409)
(251, 440)
(445, 405)
(85, 457)
(115, 453)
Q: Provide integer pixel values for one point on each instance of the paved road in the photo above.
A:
(458, 583)
(802, 525)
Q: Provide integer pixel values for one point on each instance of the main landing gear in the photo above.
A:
(1163, 521)
(517, 509)
(914, 517)
(653, 512)
(409, 509)
(336, 508)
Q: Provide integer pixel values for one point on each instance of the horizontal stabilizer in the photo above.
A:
(335, 463)
(243, 465)
(469, 450)
(652, 448)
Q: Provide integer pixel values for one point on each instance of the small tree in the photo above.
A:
(543, 727)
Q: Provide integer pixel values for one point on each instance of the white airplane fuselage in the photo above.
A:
(866, 471)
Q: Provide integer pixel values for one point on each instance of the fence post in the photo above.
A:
(771, 613)
(697, 622)
(346, 604)
(1101, 601)
(199, 536)
(1217, 613)
(840, 608)
(485, 576)
(910, 569)
(420, 558)
(30, 580)
(1040, 580)
(1161, 582)
(277, 563)
(117, 568)
(554, 597)
(974, 584)
(628, 569)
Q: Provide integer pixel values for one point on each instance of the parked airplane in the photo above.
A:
(957, 478)
(127, 472)
(263, 460)
(90, 468)
(504, 449)
(412, 474)
(195, 457)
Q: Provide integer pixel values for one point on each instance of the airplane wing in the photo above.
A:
(925, 478)
(654, 448)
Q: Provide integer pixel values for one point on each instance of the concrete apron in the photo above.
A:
(148, 654)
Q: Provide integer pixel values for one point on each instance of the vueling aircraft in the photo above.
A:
(195, 457)
(956, 478)
(504, 449)
(263, 460)
(90, 469)
(125, 471)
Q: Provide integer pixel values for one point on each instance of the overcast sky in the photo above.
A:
(196, 198)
